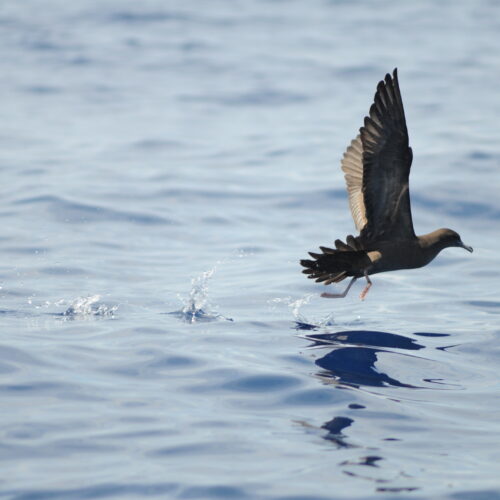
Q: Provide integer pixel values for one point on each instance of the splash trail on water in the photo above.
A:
(196, 306)
(87, 307)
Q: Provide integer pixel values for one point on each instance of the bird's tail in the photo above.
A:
(334, 265)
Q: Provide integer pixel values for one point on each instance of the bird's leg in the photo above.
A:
(367, 287)
(339, 295)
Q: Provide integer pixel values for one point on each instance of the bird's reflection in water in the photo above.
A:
(350, 363)
(365, 338)
(355, 366)
(335, 428)
(352, 355)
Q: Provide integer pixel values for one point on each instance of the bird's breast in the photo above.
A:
(392, 256)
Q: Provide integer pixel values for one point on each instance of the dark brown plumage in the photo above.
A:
(377, 167)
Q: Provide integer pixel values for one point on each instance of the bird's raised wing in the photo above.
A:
(377, 167)
(352, 165)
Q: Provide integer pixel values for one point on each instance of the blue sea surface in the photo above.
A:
(165, 166)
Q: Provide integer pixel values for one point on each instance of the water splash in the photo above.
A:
(88, 307)
(303, 323)
(196, 306)
(85, 307)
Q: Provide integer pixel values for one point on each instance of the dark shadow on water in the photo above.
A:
(424, 334)
(335, 426)
(352, 356)
(369, 461)
(348, 361)
(355, 366)
(364, 338)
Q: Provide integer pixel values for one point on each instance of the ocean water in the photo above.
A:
(164, 167)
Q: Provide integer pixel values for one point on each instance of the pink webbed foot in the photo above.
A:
(367, 288)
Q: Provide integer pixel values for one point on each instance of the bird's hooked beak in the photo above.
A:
(467, 247)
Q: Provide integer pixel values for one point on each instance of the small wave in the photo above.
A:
(462, 208)
(153, 144)
(196, 307)
(132, 17)
(73, 212)
(257, 97)
(42, 90)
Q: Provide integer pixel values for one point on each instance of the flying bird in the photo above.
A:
(377, 167)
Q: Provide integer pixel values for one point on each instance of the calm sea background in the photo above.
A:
(164, 166)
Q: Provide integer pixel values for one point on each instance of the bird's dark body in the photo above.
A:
(377, 166)
(382, 257)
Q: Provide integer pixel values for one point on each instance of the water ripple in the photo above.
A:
(105, 490)
(74, 212)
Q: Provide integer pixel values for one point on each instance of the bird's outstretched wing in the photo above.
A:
(377, 167)
(352, 165)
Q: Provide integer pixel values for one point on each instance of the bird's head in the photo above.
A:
(450, 238)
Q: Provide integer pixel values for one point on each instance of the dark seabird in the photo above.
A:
(377, 167)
